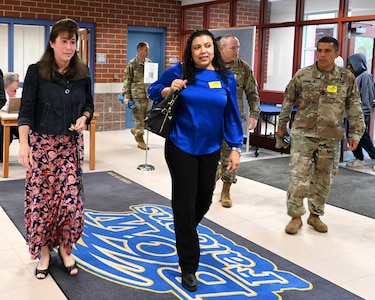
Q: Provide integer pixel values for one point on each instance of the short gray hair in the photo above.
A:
(224, 39)
(9, 78)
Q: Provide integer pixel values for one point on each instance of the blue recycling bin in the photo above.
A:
(129, 119)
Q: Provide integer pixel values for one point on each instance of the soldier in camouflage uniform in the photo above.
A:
(229, 46)
(135, 89)
(323, 92)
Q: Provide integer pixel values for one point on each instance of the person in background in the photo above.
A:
(357, 64)
(207, 112)
(3, 99)
(324, 92)
(134, 88)
(363, 50)
(11, 85)
(51, 147)
(229, 46)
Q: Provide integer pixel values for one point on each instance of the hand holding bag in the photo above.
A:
(160, 118)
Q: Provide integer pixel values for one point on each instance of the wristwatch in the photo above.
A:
(237, 149)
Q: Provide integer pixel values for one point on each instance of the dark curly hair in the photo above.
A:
(189, 69)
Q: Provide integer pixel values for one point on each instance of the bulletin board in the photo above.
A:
(246, 36)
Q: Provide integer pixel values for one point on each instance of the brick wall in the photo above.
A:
(218, 15)
(111, 19)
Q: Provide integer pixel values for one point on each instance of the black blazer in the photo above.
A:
(51, 107)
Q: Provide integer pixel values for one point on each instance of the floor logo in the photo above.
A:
(137, 249)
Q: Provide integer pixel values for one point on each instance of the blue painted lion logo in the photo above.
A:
(137, 249)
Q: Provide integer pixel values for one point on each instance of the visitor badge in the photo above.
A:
(332, 89)
(214, 84)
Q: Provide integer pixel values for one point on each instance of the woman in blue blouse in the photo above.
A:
(207, 111)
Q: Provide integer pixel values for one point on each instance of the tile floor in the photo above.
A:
(345, 255)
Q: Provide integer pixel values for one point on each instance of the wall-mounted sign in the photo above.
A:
(101, 58)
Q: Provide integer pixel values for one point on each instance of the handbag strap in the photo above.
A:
(182, 71)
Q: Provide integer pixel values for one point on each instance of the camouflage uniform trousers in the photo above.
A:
(225, 175)
(139, 114)
(313, 164)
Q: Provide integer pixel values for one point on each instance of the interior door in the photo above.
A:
(156, 38)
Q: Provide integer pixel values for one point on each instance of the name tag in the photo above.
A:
(214, 85)
(332, 89)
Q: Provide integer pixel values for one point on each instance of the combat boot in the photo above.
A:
(294, 225)
(141, 143)
(225, 197)
(134, 133)
(315, 222)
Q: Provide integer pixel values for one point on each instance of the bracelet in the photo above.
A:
(237, 149)
(85, 116)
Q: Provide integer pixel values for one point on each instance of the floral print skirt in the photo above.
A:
(54, 200)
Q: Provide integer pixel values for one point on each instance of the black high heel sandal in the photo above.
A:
(44, 272)
(68, 269)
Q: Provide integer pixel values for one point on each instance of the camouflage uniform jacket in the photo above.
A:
(245, 82)
(322, 100)
(133, 87)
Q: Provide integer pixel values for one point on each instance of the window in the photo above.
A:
(29, 46)
(23, 42)
(312, 33)
(278, 60)
(317, 9)
(4, 47)
(282, 10)
(361, 7)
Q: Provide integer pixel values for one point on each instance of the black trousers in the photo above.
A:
(365, 143)
(193, 179)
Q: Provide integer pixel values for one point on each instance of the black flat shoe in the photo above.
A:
(43, 272)
(68, 269)
(189, 282)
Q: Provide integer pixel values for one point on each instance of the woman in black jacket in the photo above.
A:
(56, 105)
